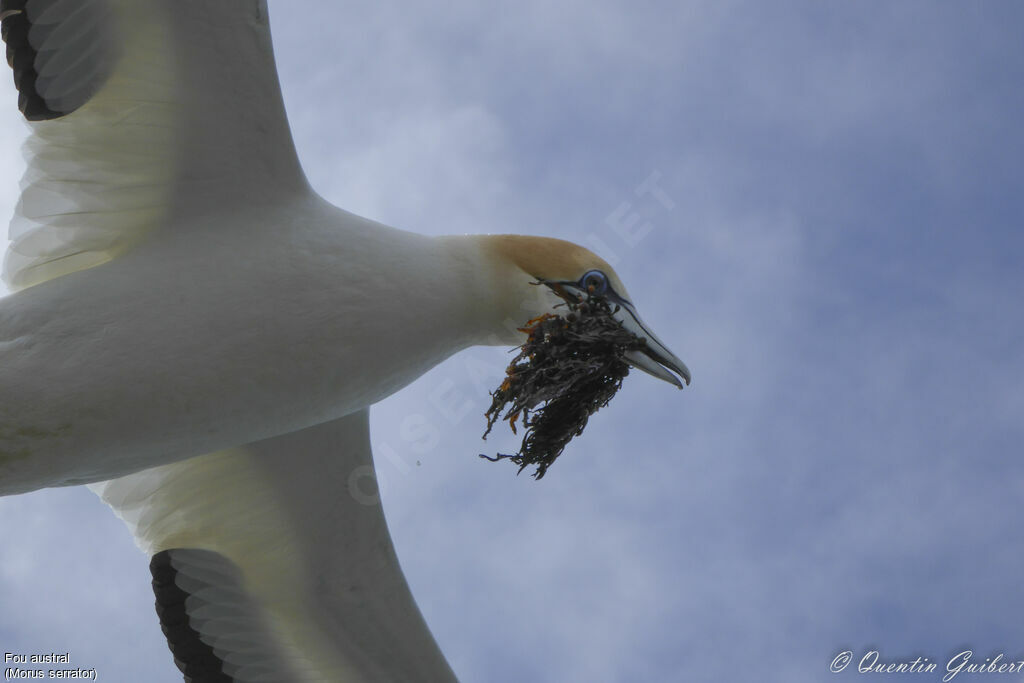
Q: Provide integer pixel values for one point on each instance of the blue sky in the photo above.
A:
(836, 255)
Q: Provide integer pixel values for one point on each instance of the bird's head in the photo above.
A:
(568, 272)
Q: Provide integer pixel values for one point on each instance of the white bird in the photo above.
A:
(198, 335)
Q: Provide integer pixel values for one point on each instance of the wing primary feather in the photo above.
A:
(21, 57)
(195, 658)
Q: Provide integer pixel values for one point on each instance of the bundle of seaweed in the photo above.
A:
(569, 367)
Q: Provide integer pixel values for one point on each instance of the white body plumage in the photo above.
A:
(258, 322)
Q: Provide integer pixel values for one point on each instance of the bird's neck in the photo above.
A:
(502, 297)
(433, 296)
(470, 292)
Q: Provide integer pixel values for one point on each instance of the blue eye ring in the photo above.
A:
(594, 282)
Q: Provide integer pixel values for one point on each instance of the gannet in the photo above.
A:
(198, 336)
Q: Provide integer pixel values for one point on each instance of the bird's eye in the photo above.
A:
(594, 282)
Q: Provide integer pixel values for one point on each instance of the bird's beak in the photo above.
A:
(654, 358)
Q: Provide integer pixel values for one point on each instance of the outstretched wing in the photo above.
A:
(273, 562)
(141, 111)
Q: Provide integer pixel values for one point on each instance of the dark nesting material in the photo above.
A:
(569, 368)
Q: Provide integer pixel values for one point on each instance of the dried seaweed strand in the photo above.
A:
(569, 367)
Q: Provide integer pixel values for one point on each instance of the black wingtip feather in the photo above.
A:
(21, 57)
(195, 659)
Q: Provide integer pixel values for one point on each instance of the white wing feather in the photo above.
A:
(175, 108)
(299, 517)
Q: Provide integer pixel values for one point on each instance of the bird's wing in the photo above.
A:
(141, 111)
(273, 562)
